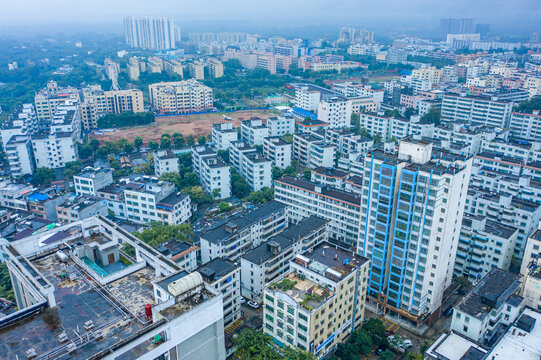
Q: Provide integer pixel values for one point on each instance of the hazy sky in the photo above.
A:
(507, 13)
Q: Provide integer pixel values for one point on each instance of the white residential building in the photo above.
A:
(224, 276)
(89, 181)
(251, 165)
(243, 232)
(526, 126)
(483, 244)
(278, 151)
(215, 176)
(306, 198)
(506, 209)
(281, 125)
(531, 272)
(150, 33)
(476, 110)
(266, 262)
(493, 302)
(19, 155)
(156, 200)
(307, 98)
(335, 111)
(185, 320)
(56, 145)
(346, 142)
(223, 134)
(254, 131)
(165, 161)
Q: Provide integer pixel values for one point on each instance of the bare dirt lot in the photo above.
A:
(196, 125)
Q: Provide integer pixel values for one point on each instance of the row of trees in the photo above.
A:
(125, 119)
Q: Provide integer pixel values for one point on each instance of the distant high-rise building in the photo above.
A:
(350, 35)
(456, 26)
(535, 36)
(482, 29)
(151, 33)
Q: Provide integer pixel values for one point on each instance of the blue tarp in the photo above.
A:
(38, 197)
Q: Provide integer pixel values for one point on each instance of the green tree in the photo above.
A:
(138, 142)
(432, 116)
(307, 175)
(409, 111)
(172, 177)
(393, 113)
(238, 184)
(277, 172)
(190, 140)
(178, 140)
(224, 154)
(224, 206)
(94, 144)
(197, 194)
(185, 159)
(216, 193)
(153, 145)
(530, 105)
(202, 140)
(347, 351)
(84, 150)
(125, 119)
(377, 330)
(377, 138)
(6, 289)
(262, 196)
(44, 175)
(190, 179)
(363, 340)
(387, 355)
(160, 233)
(165, 143)
(72, 168)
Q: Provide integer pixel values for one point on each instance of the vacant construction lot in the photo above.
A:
(196, 125)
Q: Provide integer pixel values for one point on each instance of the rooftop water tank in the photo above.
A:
(185, 284)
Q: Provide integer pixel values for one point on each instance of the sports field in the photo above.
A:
(196, 125)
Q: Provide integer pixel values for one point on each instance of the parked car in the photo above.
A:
(253, 304)
(448, 312)
(242, 300)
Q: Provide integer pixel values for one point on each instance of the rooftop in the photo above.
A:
(492, 291)
(340, 195)
(216, 268)
(522, 340)
(454, 346)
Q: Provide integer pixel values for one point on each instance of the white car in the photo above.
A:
(253, 304)
(242, 300)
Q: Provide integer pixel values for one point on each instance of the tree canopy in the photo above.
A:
(159, 233)
(255, 345)
(126, 119)
(44, 175)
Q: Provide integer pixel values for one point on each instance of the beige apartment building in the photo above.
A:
(216, 68)
(197, 70)
(319, 302)
(48, 100)
(180, 97)
(97, 103)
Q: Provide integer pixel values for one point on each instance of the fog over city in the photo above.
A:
(272, 16)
